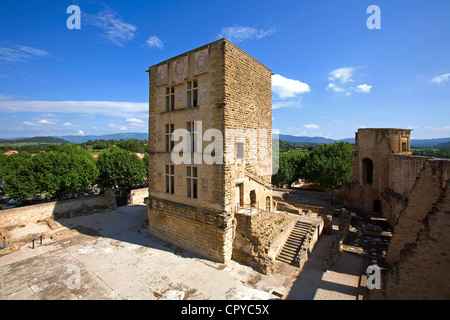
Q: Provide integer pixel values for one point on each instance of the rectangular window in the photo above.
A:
(192, 128)
(170, 179)
(169, 143)
(192, 94)
(191, 179)
(170, 98)
(240, 150)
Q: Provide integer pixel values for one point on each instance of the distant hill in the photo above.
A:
(418, 143)
(114, 136)
(311, 140)
(421, 143)
(445, 145)
(304, 139)
(428, 143)
(35, 140)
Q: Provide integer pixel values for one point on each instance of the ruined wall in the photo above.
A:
(56, 209)
(426, 191)
(205, 232)
(421, 270)
(259, 237)
(393, 176)
(137, 196)
(414, 195)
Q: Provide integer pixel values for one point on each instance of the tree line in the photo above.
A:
(436, 153)
(327, 165)
(67, 169)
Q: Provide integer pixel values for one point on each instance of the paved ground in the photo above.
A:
(114, 258)
(339, 283)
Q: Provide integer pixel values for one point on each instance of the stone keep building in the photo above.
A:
(217, 86)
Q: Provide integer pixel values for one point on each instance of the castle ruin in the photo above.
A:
(412, 193)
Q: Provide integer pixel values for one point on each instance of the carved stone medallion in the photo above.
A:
(180, 70)
(201, 61)
(162, 75)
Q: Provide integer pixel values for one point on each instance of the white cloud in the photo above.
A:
(240, 33)
(290, 103)
(311, 126)
(154, 42)
(40, 123)
(342, 74)
(19, 53)
(29, 123)
(340, 79)
(134, 122)
(441, 78)
(110, 108)
(443, 128)
(288, 88)
(115, 126)
(45, 122)
(80, 133)
(114, 28)
(333, 87)
(363, 88)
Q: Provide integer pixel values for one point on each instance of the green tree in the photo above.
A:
(329, 165)
(3, 161)
(19, 176)
(120, 169)
(289, 168)
(66, 169)
(133, 145)
(69, 169)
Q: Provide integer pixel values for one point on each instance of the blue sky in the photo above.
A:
(332, 74)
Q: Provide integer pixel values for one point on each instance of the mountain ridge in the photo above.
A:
(421, 143)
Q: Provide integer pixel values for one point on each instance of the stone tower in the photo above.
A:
(376, 164)
(217, 98)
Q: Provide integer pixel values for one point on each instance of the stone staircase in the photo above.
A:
(295, 243)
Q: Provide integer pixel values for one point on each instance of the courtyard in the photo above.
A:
(110, 256)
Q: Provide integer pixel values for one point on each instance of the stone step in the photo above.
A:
(294, 242)
(286, 260)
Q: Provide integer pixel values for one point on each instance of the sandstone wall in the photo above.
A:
(421, 270)
(234, 92)
(137, 196)
(205, 232)
(247, 105)
(208, 111)
(259, 237)
(55, 209)
(425, 193)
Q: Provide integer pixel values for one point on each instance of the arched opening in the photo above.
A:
(377, 206)
(253, 198)
(367, 171)
(268, 206)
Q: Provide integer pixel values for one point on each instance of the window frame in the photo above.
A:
(169, 143)
(170, 178)
(192, 93)
(170, 98)
(192, 182)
